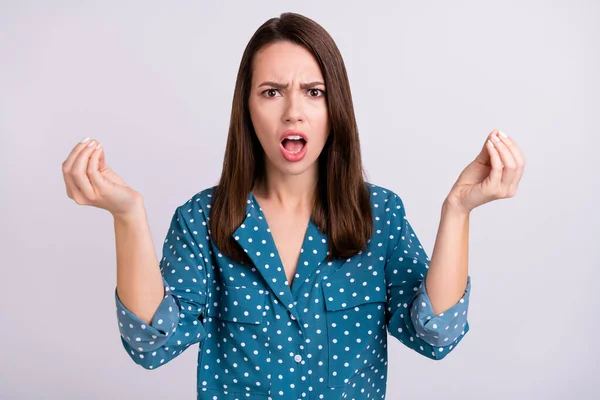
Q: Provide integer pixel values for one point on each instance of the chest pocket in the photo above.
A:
(236, 353)
(355, 312)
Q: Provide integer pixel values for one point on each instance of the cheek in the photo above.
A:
(260, 121)
(320, 123)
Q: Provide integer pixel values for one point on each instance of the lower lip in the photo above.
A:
(293, 156)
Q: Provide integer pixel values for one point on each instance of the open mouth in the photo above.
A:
(293, 144)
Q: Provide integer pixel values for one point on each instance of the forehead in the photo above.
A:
(285, 61)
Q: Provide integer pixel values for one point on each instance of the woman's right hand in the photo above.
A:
(91, 182)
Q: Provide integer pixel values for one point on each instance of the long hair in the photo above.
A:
(342, 206)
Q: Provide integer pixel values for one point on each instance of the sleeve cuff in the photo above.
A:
(143, 336)
(442, 329)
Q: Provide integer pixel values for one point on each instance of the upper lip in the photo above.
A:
(292, 132)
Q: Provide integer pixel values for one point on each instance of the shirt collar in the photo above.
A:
(256, 240)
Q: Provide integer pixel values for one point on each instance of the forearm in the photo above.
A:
(139, 281)
(446, 279)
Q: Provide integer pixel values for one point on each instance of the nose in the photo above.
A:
(293, 109)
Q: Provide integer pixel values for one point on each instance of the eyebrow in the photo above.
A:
(284, 86)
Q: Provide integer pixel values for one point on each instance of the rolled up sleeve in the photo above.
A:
(410, 317)
(179, 319)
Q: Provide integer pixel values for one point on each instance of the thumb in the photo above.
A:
(101, 161)
(484, 155)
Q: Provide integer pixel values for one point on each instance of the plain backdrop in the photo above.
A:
(153, 82)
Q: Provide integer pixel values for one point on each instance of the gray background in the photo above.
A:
(154, 84)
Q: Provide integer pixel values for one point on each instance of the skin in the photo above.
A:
(287, 193)
(274, 110)
(494, 174)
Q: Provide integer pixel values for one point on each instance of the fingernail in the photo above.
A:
(495, 137)
(90, 144)
(85, 140)
(504, 135)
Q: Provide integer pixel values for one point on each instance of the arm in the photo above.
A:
(448, 271)
(139, 282)
(178, 320)
(410, 315)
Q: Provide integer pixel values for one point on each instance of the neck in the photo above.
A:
(289, 192)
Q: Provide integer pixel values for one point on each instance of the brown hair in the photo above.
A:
(342, 206)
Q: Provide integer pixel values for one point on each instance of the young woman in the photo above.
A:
(291, 271)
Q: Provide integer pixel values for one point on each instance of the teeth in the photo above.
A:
(294, 137)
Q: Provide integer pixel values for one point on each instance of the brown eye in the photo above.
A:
(270, 92)
(315, 92)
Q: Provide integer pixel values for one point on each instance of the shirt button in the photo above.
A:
(298, 358)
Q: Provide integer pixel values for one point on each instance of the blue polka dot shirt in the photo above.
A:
(323, 337)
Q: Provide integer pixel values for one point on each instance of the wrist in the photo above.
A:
(452, 206)
(136, 212)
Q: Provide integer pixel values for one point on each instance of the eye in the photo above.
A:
(313, 91)
(269, 92)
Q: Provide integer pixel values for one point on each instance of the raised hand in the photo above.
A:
(90, 182)
(494, 174)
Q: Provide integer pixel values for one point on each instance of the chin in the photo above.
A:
(297, 168)
(294, 170)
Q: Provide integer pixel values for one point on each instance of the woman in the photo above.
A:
(291, 271)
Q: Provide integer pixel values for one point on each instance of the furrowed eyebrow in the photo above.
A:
(276, 85)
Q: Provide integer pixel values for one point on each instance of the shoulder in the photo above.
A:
(387, 209)
(389, 215)
(383, 199)
(198, 205)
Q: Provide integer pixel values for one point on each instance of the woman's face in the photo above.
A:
(288, 108)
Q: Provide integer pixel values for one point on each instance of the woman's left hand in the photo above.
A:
(494, 174)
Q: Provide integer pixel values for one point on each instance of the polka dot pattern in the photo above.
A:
(412, 319)
(324, 336)
(178, 321)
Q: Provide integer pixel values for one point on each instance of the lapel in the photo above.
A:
(255, 238)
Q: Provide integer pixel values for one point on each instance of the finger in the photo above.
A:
(93, 171)
(495, 176)
(484, 155)
(514, 149)
(101, 160)
(78, 170)
(73, 191)
(519, 158)
(510, 165)
(68, 163)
